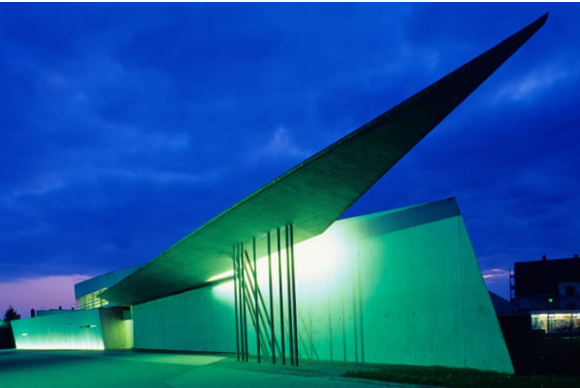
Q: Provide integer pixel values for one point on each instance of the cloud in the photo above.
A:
(531, 85)
(491, 275)
(283, 145)
(497, 281)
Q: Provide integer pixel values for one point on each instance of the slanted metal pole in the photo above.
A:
(289, 290)
(281, 297)
(263, 312)
(272, 334)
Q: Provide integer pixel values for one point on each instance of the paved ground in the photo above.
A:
(63, 369)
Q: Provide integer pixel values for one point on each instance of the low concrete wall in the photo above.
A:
(95, 329)
(79, 329)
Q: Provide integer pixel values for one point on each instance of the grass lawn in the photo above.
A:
(542, 362)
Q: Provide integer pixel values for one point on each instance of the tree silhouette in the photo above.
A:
(6, 336)
(11, 314)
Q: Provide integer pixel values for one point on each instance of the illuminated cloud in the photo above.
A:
(497, 281)
(495, 273)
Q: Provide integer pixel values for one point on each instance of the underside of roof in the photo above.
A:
(313, 194)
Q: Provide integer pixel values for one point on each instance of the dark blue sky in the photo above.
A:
(124, 127)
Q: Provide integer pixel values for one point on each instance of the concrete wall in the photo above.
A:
(199, 320)
(79, 329)
(117, 329)
(408, 291)
(95, 329)
(398, 287)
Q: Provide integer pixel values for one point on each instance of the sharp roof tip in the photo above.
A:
(538, 23)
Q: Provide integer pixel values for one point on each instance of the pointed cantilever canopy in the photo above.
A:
(313, 194)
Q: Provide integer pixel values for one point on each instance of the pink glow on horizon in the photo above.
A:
(40, 293)
(497, 281)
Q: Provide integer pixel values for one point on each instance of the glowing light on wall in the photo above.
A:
(43, 341)
(79, 330)
(224, 292)
(316, 260)
(221, 276)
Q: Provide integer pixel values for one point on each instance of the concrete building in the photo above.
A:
(278, 278)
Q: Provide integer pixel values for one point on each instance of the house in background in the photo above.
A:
(550, 291)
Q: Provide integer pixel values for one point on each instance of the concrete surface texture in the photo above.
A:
(63, 369)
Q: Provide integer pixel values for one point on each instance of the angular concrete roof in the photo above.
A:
(313, 194)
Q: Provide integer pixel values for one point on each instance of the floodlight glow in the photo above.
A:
(67, 330)
(47, 341)
(224, 292)
(316, 259)
(221, 276)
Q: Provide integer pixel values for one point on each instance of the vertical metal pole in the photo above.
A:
(244, 319)
(234, 261)
(289, 290)
(256, 304)
(295, 313)
(281, 297)
(272, 334)
(240, 304)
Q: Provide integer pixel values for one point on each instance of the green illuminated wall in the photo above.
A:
(406, 289)
(69, 330)
(95, 329)
(398, 287)
(200, 320)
